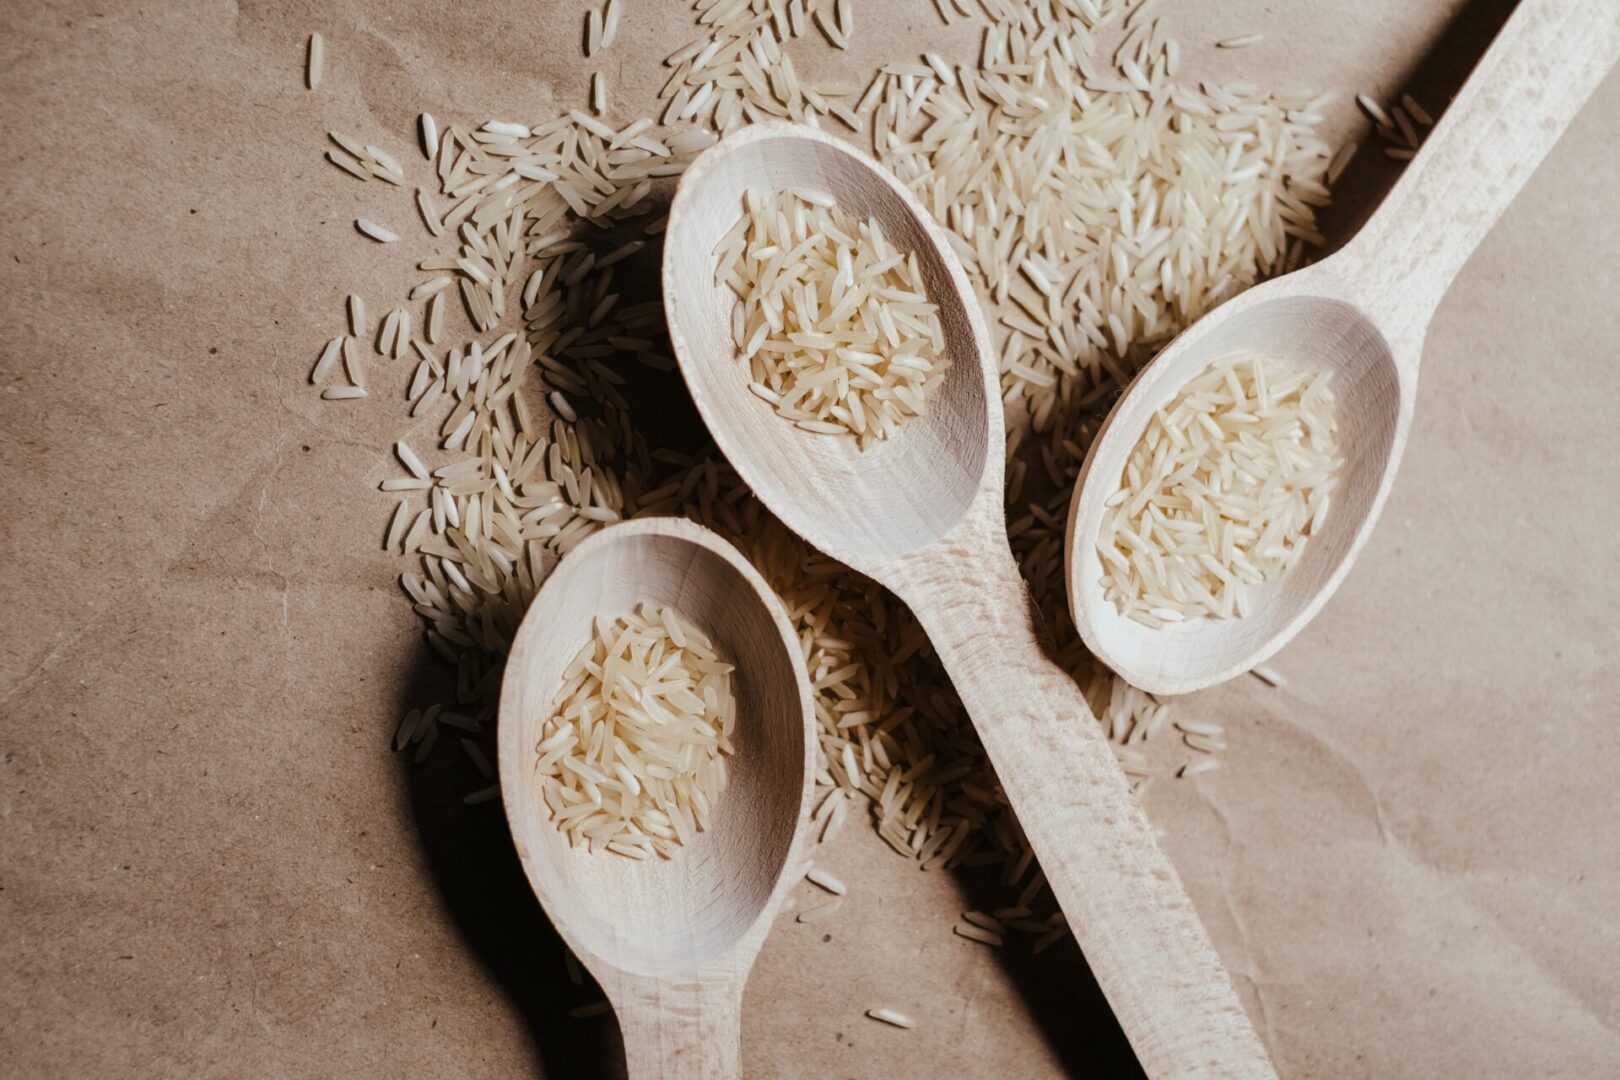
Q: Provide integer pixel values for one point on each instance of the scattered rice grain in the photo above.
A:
(818, 876)
(891, 1017)
(315, 63)
(375, 231)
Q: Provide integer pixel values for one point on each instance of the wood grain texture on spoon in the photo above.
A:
(922, 514)
(670, 940)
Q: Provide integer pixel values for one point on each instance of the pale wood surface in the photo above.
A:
(682, 1028)
(923, 514)
(1361, 314)
(670, 940)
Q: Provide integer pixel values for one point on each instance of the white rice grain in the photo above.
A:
(396, 527)
(351, 363)
(375, 231)
(408, 458)
(1268, 675)
(977, 933)
(390, 164)
(428, 129)
(329, 358)
(434, 322)
(891, 1017)
(315, 63)
(503, 127)
(818, 876)
(1374, 110)
(348, 164)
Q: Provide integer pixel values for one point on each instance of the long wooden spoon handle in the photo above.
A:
(1540, 70)
(680, 1029)
(1123, 898)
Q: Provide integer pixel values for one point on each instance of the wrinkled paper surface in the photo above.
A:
(210, 865)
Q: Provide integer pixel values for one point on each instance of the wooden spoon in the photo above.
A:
(670, 940)
(1361, 314)
(922, 514)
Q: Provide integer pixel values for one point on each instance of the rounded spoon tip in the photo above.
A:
(859, 505)
(659, 917)
(1300, 321)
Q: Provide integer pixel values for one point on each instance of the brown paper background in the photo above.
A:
(210, 865)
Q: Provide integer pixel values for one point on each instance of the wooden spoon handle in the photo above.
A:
(1540, 70)
(1123, 898)
(680, 1029)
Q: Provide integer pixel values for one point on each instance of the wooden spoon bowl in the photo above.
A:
(897, 495)
(670, 940)
(1374, 404)
(1362, 315)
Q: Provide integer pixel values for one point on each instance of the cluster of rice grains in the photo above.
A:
(1101, 204)
(1121, 203)
(832, 320)
(1101, 207)
(630, 759)
(1221, 492)
(737, 71)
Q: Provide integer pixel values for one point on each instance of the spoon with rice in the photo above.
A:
(670, 939)
(919, 510)
(1352, 327)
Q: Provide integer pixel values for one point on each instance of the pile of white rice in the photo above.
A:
(1101, 206)
(631, 759)
(1053, 162)
(832, 320)
(1221, 492)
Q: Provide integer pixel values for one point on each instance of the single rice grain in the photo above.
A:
(891, 1017)
(375, 231)
(315, 63)
(428, 129)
